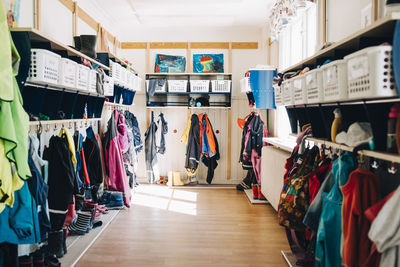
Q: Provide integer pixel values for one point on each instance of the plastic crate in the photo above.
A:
(334, 81)
(67, 73)
(137, 84)
(299, 90)
(115, 72)
(314, 87)
(200, 86)
(44, 67)
(124, 77)
(278, 95)
(177, 86)
(221, 86)
(287, 92)
(159, 89)
(108, 85)
(92, 83)
(82, 77)
(370, 73)
(245, 85)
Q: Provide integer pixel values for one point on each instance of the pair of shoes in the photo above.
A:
(51, 261)
(57, 243)
(81, 224)
(242, 186)
(38, 258)
(260, 194)
(257, 194)
(113, 200)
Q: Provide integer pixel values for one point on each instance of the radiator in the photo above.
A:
(272, 171)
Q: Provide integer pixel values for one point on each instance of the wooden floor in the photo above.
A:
(190, 227)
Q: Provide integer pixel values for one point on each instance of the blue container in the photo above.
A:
(261, 86)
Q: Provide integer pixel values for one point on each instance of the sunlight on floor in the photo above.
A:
(164, 198)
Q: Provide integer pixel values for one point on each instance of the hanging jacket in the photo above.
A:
(243, 159)
(114, 162)
(152, 171)
(122, 134)
(92, 158)
(210, 148)
(257, 132)
(185, 134)
(162, 125)
(132, 123)
(103, 164)
(193, 149)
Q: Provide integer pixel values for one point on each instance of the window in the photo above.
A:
(296, 42)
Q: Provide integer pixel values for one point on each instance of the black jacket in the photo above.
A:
(246, 163)
(193, 150)
(211, 163)
(93, 158)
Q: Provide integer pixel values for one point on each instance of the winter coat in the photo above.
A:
(246, 161)
(193, 149)
(114, 162)
(152, 171)
(162, 125)
(132, 123)
(92, 158)
(210, 148)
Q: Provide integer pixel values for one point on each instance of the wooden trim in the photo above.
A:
(68, 4)
(375, 9)
(189, 58)
(168, 45)
(148, 57)
(228, 156)
(245, 45)
(209, 45)
(133, 45)
(230, 58)
(324, 33)
(87, 19)
(38, 7)
(75, 18)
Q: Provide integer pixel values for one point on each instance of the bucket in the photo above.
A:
(261, 86)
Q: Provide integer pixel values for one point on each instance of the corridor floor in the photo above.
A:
(190, 227)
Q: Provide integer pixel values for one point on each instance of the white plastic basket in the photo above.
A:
(92, 84)
(370, 73)
(115, 71)
(287, 92)
(67, 73)
(245, 85)
(138, 83)
(124, 77)
(299, 90)
(334, 79)
(44, 67)
(177, 86)
(108, 85)
(159, 89)
(82, 77)
(314, 87)
(200, 86)
(278, 95)
(220, 86)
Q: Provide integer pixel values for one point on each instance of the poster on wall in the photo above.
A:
(169, 64)
(208, 63)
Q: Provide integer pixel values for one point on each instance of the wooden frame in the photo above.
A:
(192, 45)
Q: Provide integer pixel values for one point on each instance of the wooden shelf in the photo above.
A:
(110, 104)
(351, 102)
(192, 93)
(60, 88)
(188, 74)
(287, 144)
(37, 36)
(42, 122)
(185, 107)
(380, 28)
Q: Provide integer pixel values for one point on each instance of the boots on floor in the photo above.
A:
(38, 258)
(81, 224)
(64, 243)
(55, 243)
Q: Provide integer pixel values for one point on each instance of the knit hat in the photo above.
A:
(357, 134)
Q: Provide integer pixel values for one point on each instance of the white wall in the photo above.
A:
(242, 60)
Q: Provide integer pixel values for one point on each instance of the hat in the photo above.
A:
(357, 134)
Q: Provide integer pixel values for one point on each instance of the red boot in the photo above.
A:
(260, 195)
(255, 191)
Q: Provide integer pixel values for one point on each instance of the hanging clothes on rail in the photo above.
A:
(114, 161)
(152, 171)
(193, 149)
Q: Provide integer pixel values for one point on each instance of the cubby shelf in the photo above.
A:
(38, 37)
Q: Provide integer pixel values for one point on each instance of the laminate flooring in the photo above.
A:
(190, 227)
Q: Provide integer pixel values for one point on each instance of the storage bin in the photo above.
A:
(287, 94)
(138, 83)
(177, 86)
(200, 86)
(82, 77)
(115, 71)
(44, 67)
(334, 79)
(221, 86)
(159, 89)
(299, 90)
(370, 73)
(124, 77)
(261, 87)
(67, 73)
(278, 95)
(108, 85)
(92, 85)
(314, 87)
(245, 85)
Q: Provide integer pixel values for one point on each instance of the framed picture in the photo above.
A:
(208, 63)
(169, 64)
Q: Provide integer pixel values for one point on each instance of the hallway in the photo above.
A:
(190, 227)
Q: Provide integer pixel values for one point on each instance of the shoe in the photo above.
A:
(242, 186)
(38, 258)
(55, 243)
(88, 45)
(77, 43)
(81, 225)
(254, 187)
(260, 195)
(64, 243)
(51, 261)
(115, 200)
(25, 261)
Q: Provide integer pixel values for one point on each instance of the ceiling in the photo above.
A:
(125, 14)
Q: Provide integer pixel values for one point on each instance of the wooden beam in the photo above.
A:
(228, 156)
(87, 18)
(38, 7)
(324, 35)
(209, 45)
(68, 4)
(375, 9)
(75, 17)
(133, 45)
(245, 45)
(168, 45)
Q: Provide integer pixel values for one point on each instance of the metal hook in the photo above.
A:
(55, 126)
(392, 169)
(375, 164)
(47, 128)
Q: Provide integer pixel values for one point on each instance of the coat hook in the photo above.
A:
(392, 169)
(47, 128)
(375, 164)
(55, 126)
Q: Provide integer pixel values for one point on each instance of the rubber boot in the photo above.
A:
(254, 187)
(55, 243)
(38, 259)
(260, 195)
(64, 240)
(25, 261)
(88, 45)
(77, 42)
